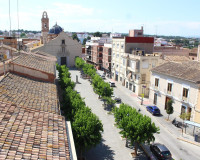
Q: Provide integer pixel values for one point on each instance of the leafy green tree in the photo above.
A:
(84, 41)
(75, 37)
(88, 38)
(79, 62)
(87, 129)
(134, 126)
(22, 35)
(170, 108)
(97, 34)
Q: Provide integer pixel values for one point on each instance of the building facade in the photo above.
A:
(178, 82)
(94, 50)
(64, 48)
(132, 59)
(107, 57)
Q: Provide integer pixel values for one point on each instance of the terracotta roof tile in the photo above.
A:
(36, 62)
(31, 134)
(29, 93)
(188, 70)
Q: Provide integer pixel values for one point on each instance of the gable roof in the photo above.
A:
(32, 134)
(36, 62)
(189, 70)
(30, 93)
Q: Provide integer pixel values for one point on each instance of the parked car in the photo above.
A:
(153, 110)
(112, 84)
(161, 151)
(118, 100)
(103, 76)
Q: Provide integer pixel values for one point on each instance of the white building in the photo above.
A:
(179, 82)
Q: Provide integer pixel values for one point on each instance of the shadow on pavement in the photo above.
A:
(100, 152)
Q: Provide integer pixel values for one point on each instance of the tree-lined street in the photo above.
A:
(112, 146)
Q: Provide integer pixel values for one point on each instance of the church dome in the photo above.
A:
(56, 29)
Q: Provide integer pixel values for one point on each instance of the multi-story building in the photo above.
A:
(107, 52)
(179, 82)
(132, 59)
(94, 51)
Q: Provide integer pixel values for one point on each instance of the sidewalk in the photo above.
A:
(177, 132)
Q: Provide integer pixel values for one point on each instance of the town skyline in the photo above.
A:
(110, 16)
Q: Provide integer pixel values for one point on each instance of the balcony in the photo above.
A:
(167, 92)
(133, 69)
(155, 88)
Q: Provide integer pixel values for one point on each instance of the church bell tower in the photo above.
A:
(45, 27)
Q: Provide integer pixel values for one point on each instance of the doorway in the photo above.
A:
(166, 100)
(155, 99)
(63, 61)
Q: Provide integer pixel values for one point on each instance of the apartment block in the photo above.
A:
(107, 52)
(132, 59)
(94, 51)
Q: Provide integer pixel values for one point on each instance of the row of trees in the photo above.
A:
(100, 87)
(86, 126)
(134, 126)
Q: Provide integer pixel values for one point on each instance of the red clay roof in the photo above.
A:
(32, 134)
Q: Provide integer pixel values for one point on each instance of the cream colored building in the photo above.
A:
(64, 48)
(180, 82)
(132, 59)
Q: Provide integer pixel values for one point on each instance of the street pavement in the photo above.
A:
(168, 132)
(112, 146)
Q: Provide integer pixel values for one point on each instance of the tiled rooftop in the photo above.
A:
(29, 93)
(176, 58)
(35, 62)
(31, 134)
(188, 70)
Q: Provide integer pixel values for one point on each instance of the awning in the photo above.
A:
(192, 123)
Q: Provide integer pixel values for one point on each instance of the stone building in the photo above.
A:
(57, 43)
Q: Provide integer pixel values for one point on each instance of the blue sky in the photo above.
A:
(172, 17)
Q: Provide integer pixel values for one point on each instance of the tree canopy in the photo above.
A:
(75, 37)
(134, 126)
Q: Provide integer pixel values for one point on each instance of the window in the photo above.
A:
(169, 87)
(122, 46)
(117, 55)
(117, 45)
(124, 63)
(156, 82)
(63, 41)
(121, 79)
(113, 54)
(185, 92)
(113, 44)
(143, 77)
